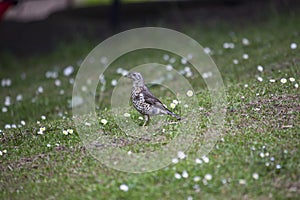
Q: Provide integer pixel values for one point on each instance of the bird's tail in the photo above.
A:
(173, 115)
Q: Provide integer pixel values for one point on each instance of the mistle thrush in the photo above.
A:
(144, 101)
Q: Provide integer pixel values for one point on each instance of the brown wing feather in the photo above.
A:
(151, 99)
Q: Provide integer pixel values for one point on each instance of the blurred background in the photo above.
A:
(31, 27)
(254, 43)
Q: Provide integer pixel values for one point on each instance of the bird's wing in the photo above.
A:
(151, 99)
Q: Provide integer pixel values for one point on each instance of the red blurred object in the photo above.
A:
(4, 5)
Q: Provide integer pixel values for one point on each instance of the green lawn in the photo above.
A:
(256, 157)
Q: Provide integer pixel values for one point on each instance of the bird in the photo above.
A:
(144, 101)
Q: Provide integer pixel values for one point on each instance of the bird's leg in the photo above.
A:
(147, 119)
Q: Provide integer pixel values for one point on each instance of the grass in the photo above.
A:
(256, 157)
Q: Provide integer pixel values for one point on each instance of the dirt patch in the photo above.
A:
(278, 112)
(33, 162)
(291, 188)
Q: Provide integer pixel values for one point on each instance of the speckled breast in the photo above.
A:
(138, 101)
